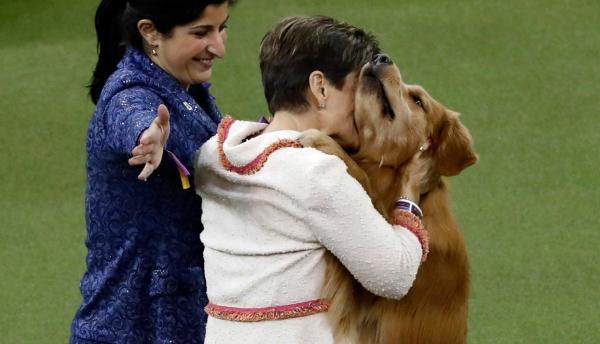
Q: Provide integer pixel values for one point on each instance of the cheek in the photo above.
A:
(177, 60)
(179, 55)
(189, 47)
(193, 49)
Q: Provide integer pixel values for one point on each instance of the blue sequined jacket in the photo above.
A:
(144, 281)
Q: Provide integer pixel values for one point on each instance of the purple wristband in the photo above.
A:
(409, 206)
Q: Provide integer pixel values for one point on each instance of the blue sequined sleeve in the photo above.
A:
(127, 115)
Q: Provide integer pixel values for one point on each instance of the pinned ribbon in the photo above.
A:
(183, 171)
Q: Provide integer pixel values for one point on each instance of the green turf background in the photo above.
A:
(525, 76)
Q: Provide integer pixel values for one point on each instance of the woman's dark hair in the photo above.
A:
(298, 46)
(116, 28)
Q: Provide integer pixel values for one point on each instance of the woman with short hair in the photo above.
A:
(272, 208)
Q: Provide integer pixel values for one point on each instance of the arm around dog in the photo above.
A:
(382, 257)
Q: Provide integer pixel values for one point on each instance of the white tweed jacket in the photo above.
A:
(268, 220)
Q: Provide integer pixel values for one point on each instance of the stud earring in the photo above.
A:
(154, 52)
(321, 105)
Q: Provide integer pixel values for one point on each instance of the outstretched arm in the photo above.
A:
(151, 145)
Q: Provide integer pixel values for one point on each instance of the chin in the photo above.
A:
(201, 77)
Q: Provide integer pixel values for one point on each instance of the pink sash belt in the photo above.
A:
(295, 310)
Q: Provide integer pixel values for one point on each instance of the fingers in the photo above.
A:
(418, 174)
(144, 154)
(151, 164)
(151, 144)
(139, 159)
(419, 161)
(141, 154)
(163, 115)
(158, 132)
(148, 157)
(143, 149)
(147, 171)
(151, 135)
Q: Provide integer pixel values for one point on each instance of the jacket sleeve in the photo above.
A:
(127, 115)
(382, 257)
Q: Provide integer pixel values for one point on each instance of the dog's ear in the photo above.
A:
(454, 149)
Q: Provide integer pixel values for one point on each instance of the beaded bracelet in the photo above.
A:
(411, 222)
(406, 204)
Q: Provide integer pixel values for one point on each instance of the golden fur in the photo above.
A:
(435, 309)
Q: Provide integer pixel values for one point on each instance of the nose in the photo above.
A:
(381, 59)
(217, 46)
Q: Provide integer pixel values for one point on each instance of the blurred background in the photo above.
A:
(524, 75)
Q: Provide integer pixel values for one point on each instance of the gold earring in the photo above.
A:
(154, 52)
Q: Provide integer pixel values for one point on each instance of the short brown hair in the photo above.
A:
(297, 46)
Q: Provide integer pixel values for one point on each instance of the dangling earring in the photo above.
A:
(154, 52)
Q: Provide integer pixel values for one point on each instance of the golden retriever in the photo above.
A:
(394, 121)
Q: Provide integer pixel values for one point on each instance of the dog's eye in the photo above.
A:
(418, 101)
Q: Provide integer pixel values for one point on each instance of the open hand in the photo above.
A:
(152, 142)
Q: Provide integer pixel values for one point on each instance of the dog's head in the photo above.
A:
(395, 120)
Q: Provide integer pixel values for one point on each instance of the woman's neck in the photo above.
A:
(298, 121)
(159, 63)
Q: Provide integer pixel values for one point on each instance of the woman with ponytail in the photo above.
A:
(144, 281)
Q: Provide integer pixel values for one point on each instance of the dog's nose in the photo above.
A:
(381, 59)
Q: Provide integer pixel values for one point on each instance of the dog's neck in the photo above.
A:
(386, 184)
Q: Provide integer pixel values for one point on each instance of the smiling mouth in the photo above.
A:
(207, 62)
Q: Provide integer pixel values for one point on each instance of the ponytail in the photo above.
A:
(111, 45)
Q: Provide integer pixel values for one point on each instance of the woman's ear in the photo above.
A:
(317, 85)
(149, 33)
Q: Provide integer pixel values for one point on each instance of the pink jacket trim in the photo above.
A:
(257, 163)
(295, 310)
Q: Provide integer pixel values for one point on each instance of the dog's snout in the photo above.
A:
(381, 59)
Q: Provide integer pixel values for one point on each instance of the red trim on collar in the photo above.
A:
(257, 163)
